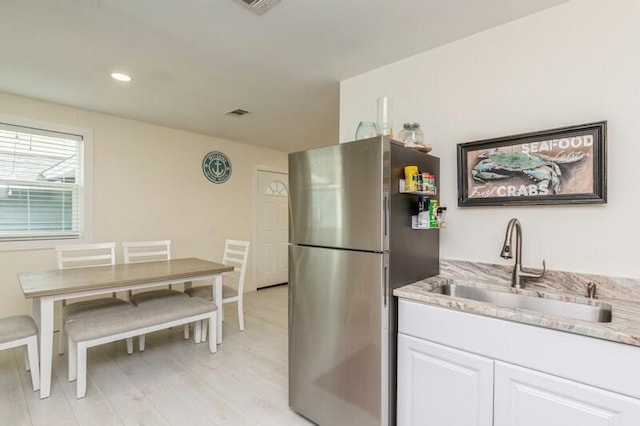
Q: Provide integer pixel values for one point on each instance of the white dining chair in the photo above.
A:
(149, 251)
(21, 330)
(236, 254)
(146, 251)
(74, 256)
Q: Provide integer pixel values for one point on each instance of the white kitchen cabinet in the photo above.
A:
(458, 369)
(524, 397)
(438, 385)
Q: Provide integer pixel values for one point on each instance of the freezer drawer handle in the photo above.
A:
(386, 215)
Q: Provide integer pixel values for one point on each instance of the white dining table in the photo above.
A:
(47, 287)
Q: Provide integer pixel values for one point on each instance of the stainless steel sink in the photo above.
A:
(588, 311)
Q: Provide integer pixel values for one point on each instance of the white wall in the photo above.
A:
(576, 63)
(148, 184)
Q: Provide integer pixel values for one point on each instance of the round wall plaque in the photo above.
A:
(216, 166)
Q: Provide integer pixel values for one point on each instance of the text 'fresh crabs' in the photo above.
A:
(542, 169)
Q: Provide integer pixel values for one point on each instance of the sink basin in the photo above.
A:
(596, 312)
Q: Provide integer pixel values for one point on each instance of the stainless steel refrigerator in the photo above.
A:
(351, 244)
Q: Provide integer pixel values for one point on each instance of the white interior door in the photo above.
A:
(273, 229)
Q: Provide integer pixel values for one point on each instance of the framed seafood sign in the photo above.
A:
(558, 166)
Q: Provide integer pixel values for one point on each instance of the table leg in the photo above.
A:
(46, 345)
(35, 312)
(217, 287)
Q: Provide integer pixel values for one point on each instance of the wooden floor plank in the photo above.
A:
(96, 410)
(174, 382)
(54, 410)
(13, 405)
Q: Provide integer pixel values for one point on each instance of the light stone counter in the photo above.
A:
(623, 295)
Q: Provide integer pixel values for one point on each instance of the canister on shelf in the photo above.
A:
(411, 172)
(425, 180)
(442, 217)
(433, 213)
(430, 182)
(432, 179)
(423, 212)
(413, 137)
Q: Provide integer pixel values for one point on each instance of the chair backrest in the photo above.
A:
(236, 254)
(146, 251)
(85, 255)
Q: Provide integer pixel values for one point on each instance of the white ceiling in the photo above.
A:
(193, 60)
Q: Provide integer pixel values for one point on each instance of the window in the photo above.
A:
(276, 188)
(43, 184)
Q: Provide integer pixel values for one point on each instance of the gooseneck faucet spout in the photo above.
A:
(507, 253)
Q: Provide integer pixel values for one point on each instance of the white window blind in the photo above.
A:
(40, 184)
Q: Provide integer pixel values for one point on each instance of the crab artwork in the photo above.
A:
(542, 169)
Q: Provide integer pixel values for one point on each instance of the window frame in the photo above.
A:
(85, 188)
(281, 185)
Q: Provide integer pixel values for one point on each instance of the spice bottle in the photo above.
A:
(423, 212)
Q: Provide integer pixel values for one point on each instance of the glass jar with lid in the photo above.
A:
(413, 137)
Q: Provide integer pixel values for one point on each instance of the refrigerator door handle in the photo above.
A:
(386, 215)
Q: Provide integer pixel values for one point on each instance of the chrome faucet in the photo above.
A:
(507, 253)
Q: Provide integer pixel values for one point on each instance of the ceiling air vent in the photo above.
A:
(259, 6)
(237, 112)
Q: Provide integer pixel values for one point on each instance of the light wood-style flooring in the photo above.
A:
(174, 382)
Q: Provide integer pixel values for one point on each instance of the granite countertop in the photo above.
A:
(624, 326)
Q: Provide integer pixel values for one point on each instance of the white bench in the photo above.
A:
(106, 327)
(80, 310)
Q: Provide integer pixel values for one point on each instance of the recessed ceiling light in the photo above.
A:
(121, 77)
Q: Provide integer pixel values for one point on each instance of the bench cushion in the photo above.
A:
(206, 292)
(148, 296)
(90, 307)
(17, 327)
(158, 311)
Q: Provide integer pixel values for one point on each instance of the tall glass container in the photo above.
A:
(385, 119)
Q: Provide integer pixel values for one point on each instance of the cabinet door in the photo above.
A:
(526, 397)
(438, 385)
